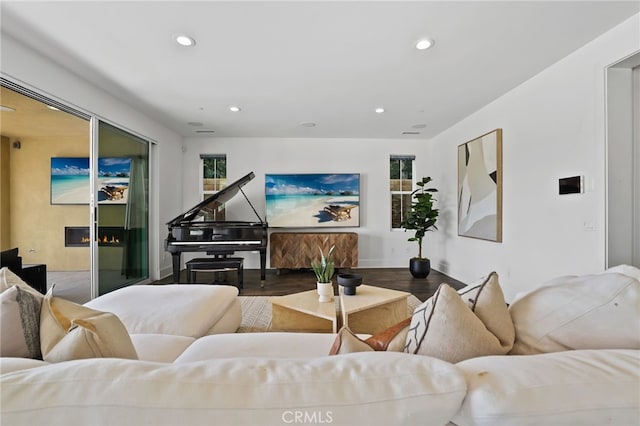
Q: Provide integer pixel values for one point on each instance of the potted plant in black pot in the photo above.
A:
(421, 218)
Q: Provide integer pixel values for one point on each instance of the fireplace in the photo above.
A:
(108, 236)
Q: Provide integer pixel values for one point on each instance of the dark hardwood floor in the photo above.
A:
(293, 281)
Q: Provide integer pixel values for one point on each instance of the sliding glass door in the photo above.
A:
(121, 200)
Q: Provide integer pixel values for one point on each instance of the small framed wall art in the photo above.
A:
(480, 187)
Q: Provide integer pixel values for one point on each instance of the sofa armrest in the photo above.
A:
(185, 310)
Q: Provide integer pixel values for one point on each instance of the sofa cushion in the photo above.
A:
(447, 327)
(599, 311)
(583, 387)
(20, 323)
(257, 345)
(160, 347)
(628, 270)
(369, 388)
(70, 331)
(230, 321)
(9, 364)
(184, 310)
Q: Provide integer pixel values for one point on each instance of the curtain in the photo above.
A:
(134, 262)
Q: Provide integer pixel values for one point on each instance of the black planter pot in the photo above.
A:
(419, 268)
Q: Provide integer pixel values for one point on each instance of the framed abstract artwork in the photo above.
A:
(480, 187)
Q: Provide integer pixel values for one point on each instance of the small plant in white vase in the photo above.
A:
(324, 271)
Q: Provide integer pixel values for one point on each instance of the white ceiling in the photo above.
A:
(329, 62)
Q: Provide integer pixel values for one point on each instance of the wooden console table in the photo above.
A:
(296, 250)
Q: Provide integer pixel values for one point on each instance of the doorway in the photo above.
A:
(623, 162)
(59, 163)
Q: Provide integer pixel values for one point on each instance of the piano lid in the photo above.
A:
(205, 210)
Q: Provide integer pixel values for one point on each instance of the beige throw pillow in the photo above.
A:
(71, 331)
(8, 279)
(453, 329)
(486, 300)
(346, 342)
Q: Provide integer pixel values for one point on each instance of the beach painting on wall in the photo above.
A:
(70, 181)
(313, 200)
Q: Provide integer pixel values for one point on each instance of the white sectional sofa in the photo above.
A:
(579, 364)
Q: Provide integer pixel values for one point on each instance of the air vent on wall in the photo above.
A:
(205, 131)
(410, 133)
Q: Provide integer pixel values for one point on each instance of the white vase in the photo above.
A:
(325, 292)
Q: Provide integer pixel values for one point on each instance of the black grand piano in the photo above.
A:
(197, 230)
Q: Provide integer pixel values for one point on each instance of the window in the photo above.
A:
(214, 174)
(401, 185)
(214, 177)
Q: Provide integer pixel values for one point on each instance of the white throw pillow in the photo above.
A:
(600, 311)
(20, 323)
(583, 387)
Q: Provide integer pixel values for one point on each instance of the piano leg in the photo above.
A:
(263, 266)
(175, 257)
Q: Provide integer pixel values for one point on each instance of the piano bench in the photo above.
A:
(215, 264)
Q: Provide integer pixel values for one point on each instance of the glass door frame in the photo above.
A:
(95, 208)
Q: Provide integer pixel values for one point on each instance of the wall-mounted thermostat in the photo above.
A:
(571, 185)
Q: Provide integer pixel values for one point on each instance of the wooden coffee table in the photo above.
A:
(303, 313)
(372, 309)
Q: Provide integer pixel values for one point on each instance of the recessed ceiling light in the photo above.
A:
(419, 126)
(234, 108)
(6, 108)
(308, 124)
(184, 40)
(379, 110)
(424, 44)
(195, 123)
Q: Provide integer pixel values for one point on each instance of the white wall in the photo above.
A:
(554, 126)
(378, 246)
(24, 66)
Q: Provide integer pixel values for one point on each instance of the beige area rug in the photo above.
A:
(256, 312)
